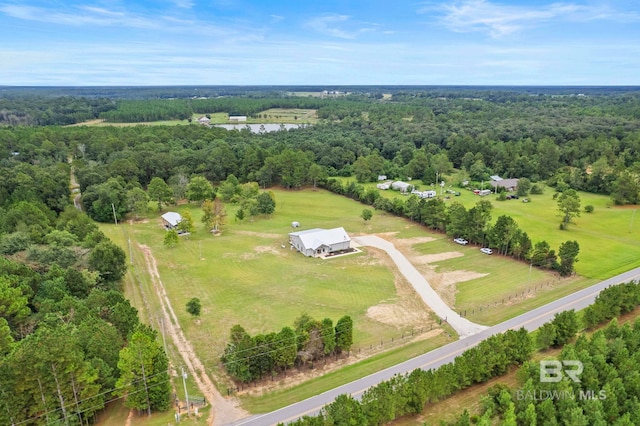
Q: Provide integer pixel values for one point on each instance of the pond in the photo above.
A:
(260, 128)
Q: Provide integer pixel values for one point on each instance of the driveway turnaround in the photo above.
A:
(462, 326)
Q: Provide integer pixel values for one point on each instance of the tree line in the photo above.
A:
(247, 358)
(474, 225)
(585, 143)
(607, 391)
(608, 357)
(407, 394)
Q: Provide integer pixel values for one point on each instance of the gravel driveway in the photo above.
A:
(463, 326)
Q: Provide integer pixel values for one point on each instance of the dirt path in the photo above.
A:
(223, 410)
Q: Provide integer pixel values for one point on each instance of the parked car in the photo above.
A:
(461, 241)
(486, 250)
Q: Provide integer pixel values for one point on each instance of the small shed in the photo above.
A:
(238, 118)
(171, 219)
(295, 224)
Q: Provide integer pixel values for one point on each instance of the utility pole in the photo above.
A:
(164, 340)
(631, 221)
(60, 397)
(186, 395)
(44, 402)
(144, 379)
(115, 218)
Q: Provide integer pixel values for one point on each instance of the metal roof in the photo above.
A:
(314, 238)
(172, 218)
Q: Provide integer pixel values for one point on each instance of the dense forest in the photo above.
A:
(60, 279)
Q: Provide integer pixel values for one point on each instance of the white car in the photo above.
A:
(486, 250)
(461, 241)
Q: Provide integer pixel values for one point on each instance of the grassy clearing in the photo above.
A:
(607, 237)
(288, 115)
(102, 123)
(235, 273)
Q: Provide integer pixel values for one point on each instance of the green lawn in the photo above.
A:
(245, 275)
(608, 237)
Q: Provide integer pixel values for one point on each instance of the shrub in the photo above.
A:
(535, 189)
(588, 209)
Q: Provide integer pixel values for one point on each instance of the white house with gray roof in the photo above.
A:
(320, 242)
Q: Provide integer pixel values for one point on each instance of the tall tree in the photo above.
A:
(199, 189)
(344, 333)
(265, 204)
(137, 201)
(569, 206)
(171, 238)
(186, 225)
(159, 191)
(109, 260)
(144, 377)
(214, 214)
(568, 254)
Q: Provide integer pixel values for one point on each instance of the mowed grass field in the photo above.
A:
(609, 237)
(245, 276)
(273, 115)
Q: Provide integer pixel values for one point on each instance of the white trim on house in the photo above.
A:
(320, 242)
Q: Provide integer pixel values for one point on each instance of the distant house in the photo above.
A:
(401, 186)
(382, 177)
(238, 118)
(508, 184)
(383, 185)
(171, 219)
(424, 194)
(320, 242)
(204, 120)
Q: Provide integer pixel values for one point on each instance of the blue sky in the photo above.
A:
(328, 42)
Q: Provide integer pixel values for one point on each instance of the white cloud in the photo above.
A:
(340, 26)
(184, 4)
(84, 15)
(499, 20)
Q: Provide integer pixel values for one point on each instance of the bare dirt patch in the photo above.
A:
(398, 315)
(437, 257)
(444, 283)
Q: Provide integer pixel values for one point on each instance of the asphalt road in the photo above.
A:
(443, 355)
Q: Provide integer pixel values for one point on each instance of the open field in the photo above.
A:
(608, 237)
(270, 116)
(234, 273)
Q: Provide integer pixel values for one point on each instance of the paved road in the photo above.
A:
(443, 355)
(462, 326)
